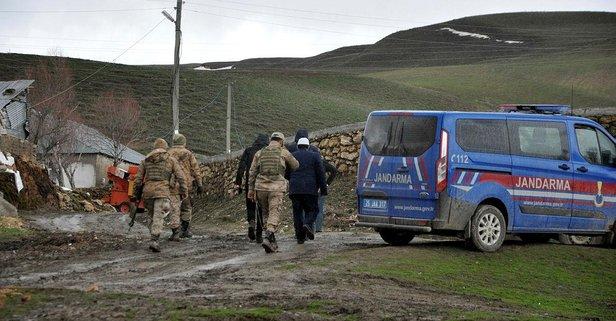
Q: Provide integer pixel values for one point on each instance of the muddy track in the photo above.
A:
(226, 270)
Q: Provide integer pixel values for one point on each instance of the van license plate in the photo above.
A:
(375, 204)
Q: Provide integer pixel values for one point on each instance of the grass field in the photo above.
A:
(592, 76)
(548, 280)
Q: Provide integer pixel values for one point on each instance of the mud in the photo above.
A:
(213, 269)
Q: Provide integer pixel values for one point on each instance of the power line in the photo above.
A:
(82, 11)
(294, 17)
(102, 67)
(312, 11)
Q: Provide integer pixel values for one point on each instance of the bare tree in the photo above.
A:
(52, 113)
(118, 118)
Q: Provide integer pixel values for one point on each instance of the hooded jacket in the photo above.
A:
(243, 169)
(157, 173)
(301, 133)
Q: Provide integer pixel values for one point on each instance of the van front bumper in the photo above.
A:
(393, 223)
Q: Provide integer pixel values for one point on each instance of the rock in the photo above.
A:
(6, 208)
(108, 208)
(349, 156)
(346, 141)
(87, 206)
(357, 138)
(343, 168)
(98, 202)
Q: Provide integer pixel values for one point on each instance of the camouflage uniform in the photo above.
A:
(267, 183)
(182, 210)
(157, 172)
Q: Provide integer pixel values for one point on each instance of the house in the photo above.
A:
(91, 154)
(14, 107)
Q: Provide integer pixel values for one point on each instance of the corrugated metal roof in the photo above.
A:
(11, 89)
(91, 141)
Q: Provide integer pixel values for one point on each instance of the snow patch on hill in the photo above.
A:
(466, 34)
(213, 69)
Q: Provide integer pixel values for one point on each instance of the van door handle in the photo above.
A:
(403, 169)
(564, 167)
(582, 169)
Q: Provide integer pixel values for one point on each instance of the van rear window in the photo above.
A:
(404, 136)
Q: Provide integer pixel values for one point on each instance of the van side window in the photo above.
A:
(482, 135)
(539, 139)
(595, 146)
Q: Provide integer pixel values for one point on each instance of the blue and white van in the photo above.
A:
(531, 171)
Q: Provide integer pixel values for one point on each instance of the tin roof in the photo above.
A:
(11, 89)
(91, 141)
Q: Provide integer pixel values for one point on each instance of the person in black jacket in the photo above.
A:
(304, 186)
(253, 213)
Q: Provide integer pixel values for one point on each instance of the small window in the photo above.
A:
(595, 146)
(482, 136)
(539, 139)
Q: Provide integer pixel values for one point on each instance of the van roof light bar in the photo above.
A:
(549, 109)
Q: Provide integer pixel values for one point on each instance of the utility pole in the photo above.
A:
(175, 102)
(229, 103)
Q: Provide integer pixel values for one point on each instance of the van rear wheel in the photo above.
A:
(396, 237)
(488, 228)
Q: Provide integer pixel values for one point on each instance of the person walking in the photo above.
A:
(330, 172)
(304, 186)
(181, 209)
(156, 174)
(267, 184)
(253, 212)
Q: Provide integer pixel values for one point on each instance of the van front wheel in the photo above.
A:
(488, 228)
(396, 237)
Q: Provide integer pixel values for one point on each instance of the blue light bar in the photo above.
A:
(549, 109)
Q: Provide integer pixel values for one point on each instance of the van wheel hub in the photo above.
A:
(489, 229)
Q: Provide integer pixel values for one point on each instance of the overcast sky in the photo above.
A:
(215, 30)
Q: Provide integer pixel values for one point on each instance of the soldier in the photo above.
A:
(253, 212)
(267, 184)
(153, 183)
(181, 210)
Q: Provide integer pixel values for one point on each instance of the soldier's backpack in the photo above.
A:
(269, 162)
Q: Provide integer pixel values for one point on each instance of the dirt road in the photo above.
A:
(211, 270)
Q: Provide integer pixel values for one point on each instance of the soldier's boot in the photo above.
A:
(269, 243)
(175, 235)
(185, 231)
(154, 247)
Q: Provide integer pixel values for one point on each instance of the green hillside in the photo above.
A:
(330, 94)
(584, 79)
(463, 41)
(264, 101)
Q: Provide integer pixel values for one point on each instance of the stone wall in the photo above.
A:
(340, 146)
(604, 116)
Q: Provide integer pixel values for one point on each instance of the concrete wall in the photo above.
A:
(91, 170)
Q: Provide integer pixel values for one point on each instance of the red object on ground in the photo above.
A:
(123, 184)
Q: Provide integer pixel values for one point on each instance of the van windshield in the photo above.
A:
(405, 136)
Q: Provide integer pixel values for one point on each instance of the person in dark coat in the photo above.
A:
(253, 213)
(330, 171)
(305, 185)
